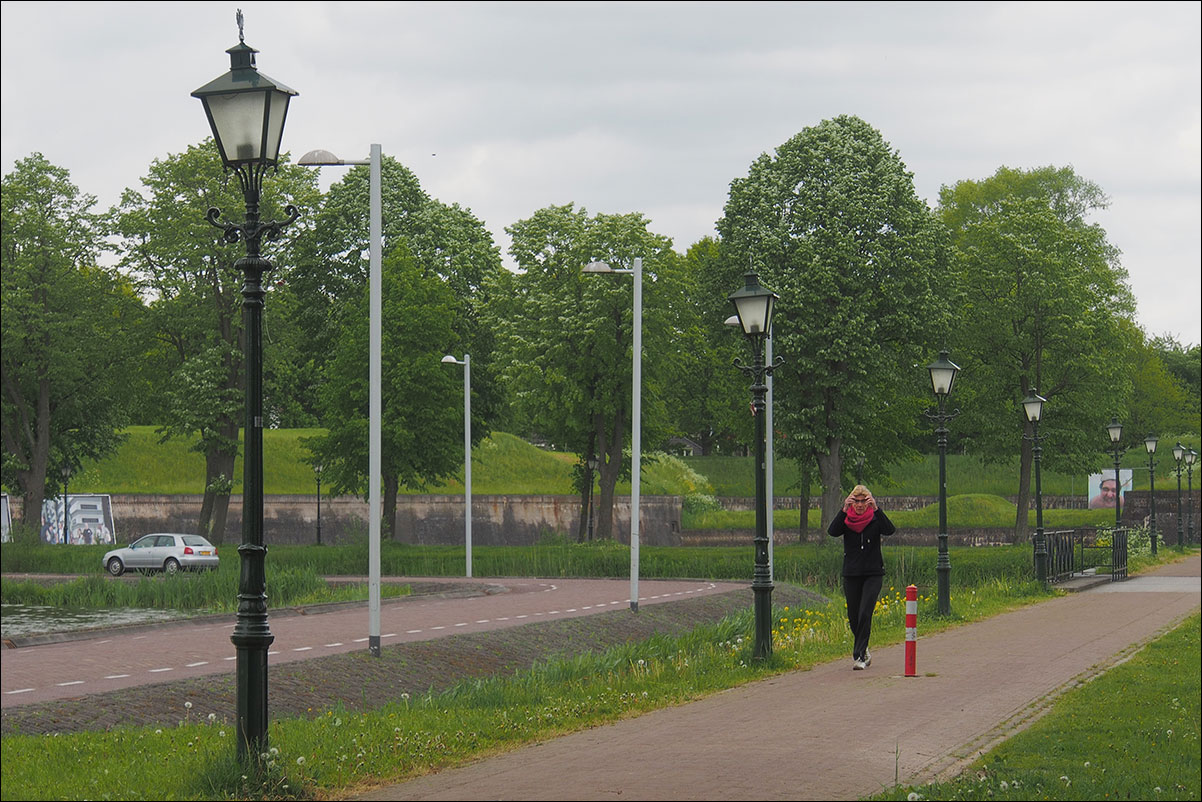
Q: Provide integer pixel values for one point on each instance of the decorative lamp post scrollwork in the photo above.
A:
(754, 306)
(1033, 408)
(1179, 455)
(1150, 444)
(943, 376)
(1115, 430)
(246, 112)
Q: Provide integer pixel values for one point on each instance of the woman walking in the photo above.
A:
(861, 525)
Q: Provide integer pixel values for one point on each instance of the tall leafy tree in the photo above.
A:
(831, 222)
(71, 333)
(443, 240)
(421, 426)
(187, 270)
(567, 337)
(1044, 306)
(707, 401)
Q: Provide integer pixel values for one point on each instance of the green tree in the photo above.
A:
(1184, 365)
(1044, 306)
(1160, 401)
(187, 269)
(567, 336)
(444, 240)
(707, 401)
(421, 425)
(831, 222)
(71, 334)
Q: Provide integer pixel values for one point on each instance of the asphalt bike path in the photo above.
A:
(834, 733)
(67, 666)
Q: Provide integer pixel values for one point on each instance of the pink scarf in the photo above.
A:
(857, 521)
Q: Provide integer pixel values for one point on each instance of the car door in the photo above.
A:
(141, 552)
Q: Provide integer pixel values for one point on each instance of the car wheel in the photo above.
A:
(171, 567)
(116, 567)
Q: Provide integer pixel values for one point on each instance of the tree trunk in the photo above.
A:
(1021, 526)
(609, 451)
(219, 481)
(388, 509)
(33, 481)
(804, 480)
(830, 473)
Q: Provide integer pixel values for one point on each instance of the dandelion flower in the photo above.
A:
(187, 705)
(300, 761)
(158, 732)
(914, 796)
(1087, 764)
(1005, 785)
(212, 716)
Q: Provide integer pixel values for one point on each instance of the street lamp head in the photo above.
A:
(754, 305)
(943, 374)
(66, 471)
(597, 267)
(1116, 430)
(317, 466)
(1178, 452)
(246, 111)
(1150, 443)
(1033, 406)
(448, 359)
(1191, 457)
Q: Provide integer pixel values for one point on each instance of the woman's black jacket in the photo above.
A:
(862, 550)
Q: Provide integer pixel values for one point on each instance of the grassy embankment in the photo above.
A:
(504, 464)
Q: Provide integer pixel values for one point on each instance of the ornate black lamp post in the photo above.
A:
(66, 505)
(246, 112)
(1033, 407)
(1150, 444)
(754, 305)
(943, 375)
(317, 475)
(1191, 457)
(1115, 430)
(1178, 455)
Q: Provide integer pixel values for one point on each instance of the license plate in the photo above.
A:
(205, 553)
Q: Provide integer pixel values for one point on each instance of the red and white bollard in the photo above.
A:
(911, 631)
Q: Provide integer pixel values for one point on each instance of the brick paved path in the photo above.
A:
(832, 733)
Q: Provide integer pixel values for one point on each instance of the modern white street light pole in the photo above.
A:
(467, 450)
(636, 423)
(317, 158)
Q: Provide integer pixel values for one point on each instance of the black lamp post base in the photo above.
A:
(763, 621)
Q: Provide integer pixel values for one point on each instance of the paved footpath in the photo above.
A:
(834, 733)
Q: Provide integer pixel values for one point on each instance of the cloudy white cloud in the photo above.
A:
(652, 107)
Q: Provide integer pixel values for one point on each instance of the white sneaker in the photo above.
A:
(858, 665)
(867, 661)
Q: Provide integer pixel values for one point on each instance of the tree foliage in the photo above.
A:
(187, 270)
(421, 423)
(831, 222)
(71, 334)
(567, 337)
(1044, 306)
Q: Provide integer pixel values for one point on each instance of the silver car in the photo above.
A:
(162, 552)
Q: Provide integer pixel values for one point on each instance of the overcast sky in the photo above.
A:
(653, 107)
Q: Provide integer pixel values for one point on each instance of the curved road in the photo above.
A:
(113, 659)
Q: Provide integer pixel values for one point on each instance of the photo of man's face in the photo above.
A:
(1108, 491)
